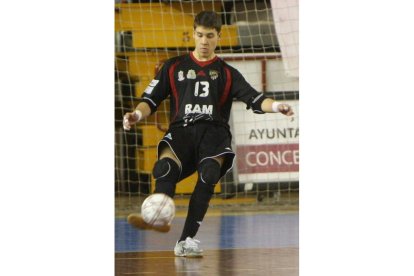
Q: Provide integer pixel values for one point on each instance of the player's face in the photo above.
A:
(206, 40)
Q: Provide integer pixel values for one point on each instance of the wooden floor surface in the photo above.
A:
(259, 261)
(245, 243)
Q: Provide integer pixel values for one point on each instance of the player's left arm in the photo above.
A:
(255, 100)
(271, 106)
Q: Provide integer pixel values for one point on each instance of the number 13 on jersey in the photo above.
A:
(204, 88)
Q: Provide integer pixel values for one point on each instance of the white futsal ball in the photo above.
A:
(158, 209)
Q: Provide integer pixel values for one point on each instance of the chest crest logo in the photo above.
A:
(191, 74)
(213, 74)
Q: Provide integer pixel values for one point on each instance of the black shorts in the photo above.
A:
(194, 143)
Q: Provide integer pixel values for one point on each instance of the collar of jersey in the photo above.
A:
(203, 63)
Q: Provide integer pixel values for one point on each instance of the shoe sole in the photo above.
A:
(137, 221)
(189, 256)
(193, 255)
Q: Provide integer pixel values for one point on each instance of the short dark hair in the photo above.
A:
(208, 19)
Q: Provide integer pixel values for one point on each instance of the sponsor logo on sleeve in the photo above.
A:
(150, 87)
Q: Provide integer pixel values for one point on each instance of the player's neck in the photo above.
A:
(199, 58)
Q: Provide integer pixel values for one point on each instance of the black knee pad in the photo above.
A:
(166, 169)
(209, 171)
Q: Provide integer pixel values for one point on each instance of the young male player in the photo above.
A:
(201, 87)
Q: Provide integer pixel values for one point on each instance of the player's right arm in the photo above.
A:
(157, 91)
(142, 111)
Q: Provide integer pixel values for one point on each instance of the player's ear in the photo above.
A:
(219, 35)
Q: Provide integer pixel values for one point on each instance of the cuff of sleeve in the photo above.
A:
(275, 106)
(151, 104)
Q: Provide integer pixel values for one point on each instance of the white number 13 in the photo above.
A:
(205, 85)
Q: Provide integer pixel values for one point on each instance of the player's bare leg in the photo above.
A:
(136, 220)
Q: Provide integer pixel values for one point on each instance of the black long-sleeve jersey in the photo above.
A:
(200, 90)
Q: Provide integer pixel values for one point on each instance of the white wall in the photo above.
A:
(276, 77)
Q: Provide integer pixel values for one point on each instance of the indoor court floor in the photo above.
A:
(236, 243)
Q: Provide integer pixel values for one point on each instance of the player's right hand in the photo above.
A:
(130, 119)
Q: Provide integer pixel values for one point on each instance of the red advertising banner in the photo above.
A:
(267, 158)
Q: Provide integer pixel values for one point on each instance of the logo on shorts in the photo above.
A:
(168, 136)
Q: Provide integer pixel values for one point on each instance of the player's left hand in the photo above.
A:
(285, 109)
